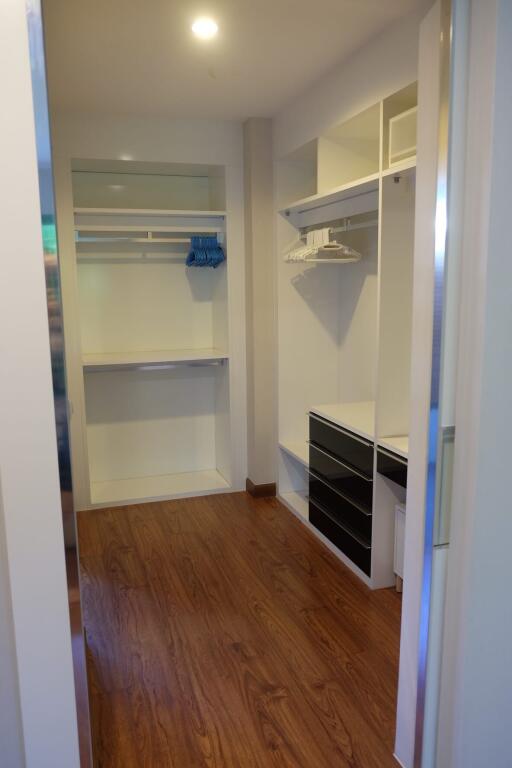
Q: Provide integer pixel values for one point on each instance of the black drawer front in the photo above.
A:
(354, 549)
(340, 508)
(342, 477)
(351, 449)
(392, 467)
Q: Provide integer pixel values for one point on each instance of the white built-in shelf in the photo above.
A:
(133, 489)
(339, 194)
(109, 221)
(401, 169)
(146, 212)
(298, 450)
(297, 502)
(398, 445)
(356, 417)
(112, 360)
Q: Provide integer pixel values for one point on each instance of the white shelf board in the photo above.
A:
(108, 360)
(398, 445)
(331, 261)
(297, 502)
(409, 164)
(344, 192)
(135, 489)
(356, 417)
(297, 450)
(143, 228)
(146, 212)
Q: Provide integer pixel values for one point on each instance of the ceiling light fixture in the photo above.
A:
(205, 28)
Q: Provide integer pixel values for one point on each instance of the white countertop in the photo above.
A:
(398, 445)
(356, 417)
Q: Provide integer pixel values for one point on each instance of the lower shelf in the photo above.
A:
(297, 502)
(134, 489)
(298, 450)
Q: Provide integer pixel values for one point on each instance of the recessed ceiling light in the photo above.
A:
(205, 28)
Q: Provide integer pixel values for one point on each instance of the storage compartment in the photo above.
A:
(350, 150)
(399, 540)
(357, 550)
(146, 186)
(153, 433)
(399, 126)
(340, 508)
(348, 481)
(347, 447)
(402, 136)
(391, 466)
(154, 332)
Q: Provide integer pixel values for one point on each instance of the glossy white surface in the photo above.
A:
(356, 417)
(399, 445)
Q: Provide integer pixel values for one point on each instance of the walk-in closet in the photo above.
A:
(241, 265)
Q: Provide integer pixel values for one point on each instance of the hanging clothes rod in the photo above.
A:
(92, 368)
(347, 226)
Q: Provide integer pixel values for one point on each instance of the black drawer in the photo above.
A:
(393, 467)
(348, 481)
(349, 448)
(353, 547)
(340, 508)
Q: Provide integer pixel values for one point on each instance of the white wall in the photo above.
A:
(259, 250)
(11, 735)
(28, 450)
(108, 137)
(386, 64)
(476, 693)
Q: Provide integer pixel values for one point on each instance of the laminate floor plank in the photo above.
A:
(222, 634)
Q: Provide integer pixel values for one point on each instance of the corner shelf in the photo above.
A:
(132, 360)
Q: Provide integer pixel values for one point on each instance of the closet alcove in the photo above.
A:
(344, 329)
(154, 333)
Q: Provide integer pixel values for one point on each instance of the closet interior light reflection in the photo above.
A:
(205, 28)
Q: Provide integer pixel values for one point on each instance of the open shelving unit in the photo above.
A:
(344, 335)
(154, 333)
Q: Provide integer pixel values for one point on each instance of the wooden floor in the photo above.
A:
(222, 634)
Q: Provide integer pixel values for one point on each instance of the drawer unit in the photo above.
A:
(348, 481)
(340, 508)
(351, 449)
(392, 466)
(353, 546)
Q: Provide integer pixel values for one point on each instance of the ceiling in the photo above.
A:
(139, 56)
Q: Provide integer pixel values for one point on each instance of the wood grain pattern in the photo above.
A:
(222, 634)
